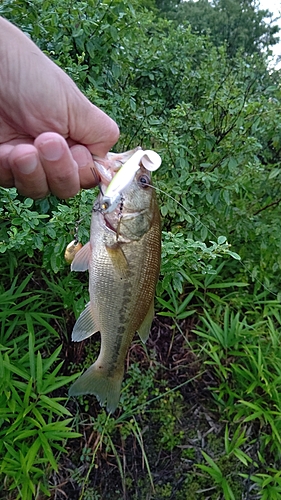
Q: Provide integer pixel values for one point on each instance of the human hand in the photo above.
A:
(48, 128)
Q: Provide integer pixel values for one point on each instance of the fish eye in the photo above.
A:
(144, 181)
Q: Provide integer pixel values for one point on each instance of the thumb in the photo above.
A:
(89, 125)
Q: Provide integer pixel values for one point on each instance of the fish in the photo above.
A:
(123, 260)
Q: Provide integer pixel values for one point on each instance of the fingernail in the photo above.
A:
(27, 164)
(81, 156)
(51, 150)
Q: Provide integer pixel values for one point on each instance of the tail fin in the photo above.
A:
(96, 381)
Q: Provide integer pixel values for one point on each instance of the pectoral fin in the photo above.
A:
(85, 326)
(145, 327)
(82, 258)
(118, 259)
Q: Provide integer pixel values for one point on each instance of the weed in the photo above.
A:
(33, 423)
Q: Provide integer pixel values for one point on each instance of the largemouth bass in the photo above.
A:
(123, 259)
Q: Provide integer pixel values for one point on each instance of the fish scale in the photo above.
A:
(129, 307)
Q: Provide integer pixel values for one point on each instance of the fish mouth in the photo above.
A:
(125, 216)
(107, 224)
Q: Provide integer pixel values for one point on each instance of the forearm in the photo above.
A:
(16, 48)
(29, 80)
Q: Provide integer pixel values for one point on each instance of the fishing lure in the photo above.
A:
(73, 247)
(122, 179)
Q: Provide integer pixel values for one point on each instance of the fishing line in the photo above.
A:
(211, 232)
(181, 205)
(74, 244)
(164, 394)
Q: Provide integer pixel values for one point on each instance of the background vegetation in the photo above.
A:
(200, 412)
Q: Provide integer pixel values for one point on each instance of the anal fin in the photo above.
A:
(85, 326)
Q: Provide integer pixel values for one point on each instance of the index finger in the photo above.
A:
(89, 125)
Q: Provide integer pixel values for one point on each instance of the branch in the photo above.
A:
(274, 203)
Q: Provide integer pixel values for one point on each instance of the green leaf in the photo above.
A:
(28, 202)
(226, 196)
(32, 454)
(222, 240)
(234, 255)
(47, 450)
(39, 373)
(51, 403)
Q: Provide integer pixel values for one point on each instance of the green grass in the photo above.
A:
(203, 398)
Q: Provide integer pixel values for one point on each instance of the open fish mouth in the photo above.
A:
(108, 225)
